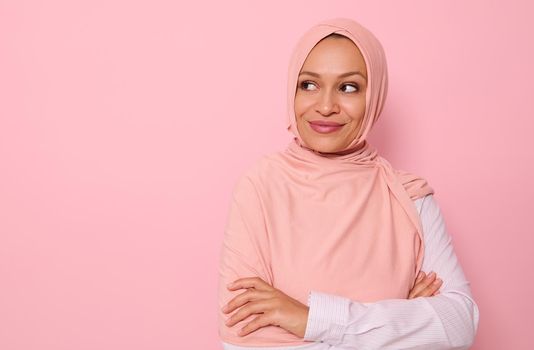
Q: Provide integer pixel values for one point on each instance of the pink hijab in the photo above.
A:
(338, 224)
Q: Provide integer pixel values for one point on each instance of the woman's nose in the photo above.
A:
(327, 104)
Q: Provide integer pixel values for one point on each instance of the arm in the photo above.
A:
(445, 321)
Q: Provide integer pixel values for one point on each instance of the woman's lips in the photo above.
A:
(325, 127)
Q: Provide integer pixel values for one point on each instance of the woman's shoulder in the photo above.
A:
(264, 165)
(258, 171)
(416, 185)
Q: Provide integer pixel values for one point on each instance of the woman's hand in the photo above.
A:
(272, 306)
(425, 286)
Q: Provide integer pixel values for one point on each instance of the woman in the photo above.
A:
(325, 242)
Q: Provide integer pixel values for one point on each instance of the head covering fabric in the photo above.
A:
(339, 224)
(375, 60)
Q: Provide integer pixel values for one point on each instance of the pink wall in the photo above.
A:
(124, 124)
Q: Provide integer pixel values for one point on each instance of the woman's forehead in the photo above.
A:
(334, 56)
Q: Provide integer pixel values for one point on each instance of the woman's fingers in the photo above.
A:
(253, 307)
(432, 288)
(243, 298)
(420, 276)
(421, 287)
(260, 321)
(249, 282)
(273, 306)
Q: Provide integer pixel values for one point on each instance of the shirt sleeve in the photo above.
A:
(448, 320)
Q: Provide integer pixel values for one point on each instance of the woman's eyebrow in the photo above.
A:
(340, 76)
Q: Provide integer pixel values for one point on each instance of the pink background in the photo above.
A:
(124, 124)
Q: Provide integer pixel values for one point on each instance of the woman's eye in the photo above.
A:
(352, 87)
(304, 85)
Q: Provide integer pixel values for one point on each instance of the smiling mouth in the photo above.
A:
(323, 128)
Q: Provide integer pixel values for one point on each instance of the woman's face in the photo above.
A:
(331, 89)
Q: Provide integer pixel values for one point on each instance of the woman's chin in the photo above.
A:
(325, 147)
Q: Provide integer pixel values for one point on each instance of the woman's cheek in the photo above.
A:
(304, 103)
(355, 108)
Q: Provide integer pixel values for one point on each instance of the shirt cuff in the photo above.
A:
(327, 317)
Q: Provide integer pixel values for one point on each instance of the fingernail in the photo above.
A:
(431, 274)
(438, 281)
(229, 284)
